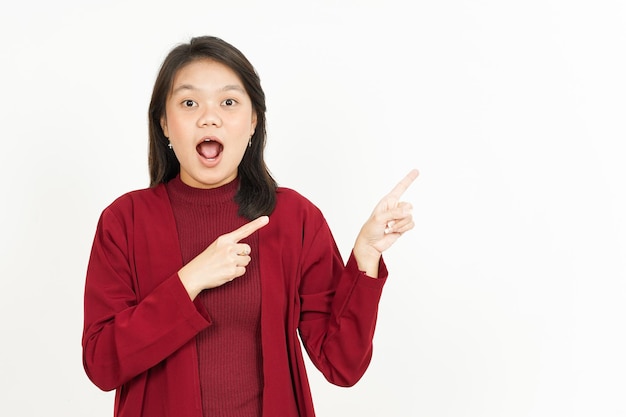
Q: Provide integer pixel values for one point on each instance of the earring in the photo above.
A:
(250, 142)
(169, 145)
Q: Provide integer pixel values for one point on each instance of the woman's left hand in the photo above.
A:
(389, 220)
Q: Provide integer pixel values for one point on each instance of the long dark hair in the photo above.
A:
(257, 188)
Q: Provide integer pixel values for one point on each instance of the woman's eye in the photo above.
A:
(229, 102)
(189, 103)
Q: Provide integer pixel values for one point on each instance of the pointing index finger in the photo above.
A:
(249, 228)
(404, 184)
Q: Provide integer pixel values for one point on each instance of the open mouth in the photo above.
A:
(209, 149)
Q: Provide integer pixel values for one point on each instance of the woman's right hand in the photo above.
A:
(222, 261)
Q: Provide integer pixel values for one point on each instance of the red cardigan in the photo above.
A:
(140, 324)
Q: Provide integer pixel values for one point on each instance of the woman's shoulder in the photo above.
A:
(291, 201)
(139, 198)
(286, 195)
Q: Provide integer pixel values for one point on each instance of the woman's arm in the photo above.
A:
(339, 304)
(124, 336)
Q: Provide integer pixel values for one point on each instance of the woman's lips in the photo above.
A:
(209, 149)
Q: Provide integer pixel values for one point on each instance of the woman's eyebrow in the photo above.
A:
(190, 87)
(235, 87)
(183, 87)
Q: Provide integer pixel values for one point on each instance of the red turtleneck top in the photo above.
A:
(229, 351)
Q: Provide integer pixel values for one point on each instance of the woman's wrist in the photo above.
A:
(367, 259)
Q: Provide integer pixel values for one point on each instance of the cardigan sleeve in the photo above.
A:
(339, 306)
(124, 336)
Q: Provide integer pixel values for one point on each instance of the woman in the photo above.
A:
(199, 286)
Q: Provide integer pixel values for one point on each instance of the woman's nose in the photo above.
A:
(209, 117)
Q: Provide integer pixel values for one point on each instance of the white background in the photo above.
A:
(508, 297)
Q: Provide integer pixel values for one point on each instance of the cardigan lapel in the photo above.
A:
(157, 248)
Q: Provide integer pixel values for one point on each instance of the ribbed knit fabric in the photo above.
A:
(229, 351)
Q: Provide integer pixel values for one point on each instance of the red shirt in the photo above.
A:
(229, 351)
(140, 325)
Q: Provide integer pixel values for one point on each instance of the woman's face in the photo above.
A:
(209, 120)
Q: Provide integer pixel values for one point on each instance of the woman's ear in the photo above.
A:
(164, 127)
(253, 123)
